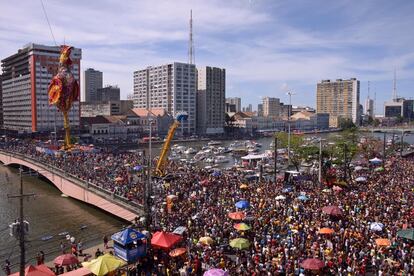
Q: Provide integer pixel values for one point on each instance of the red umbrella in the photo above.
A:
(312, 264)
(332, 210)
(164, 239)
(66, 259)
(40, 270)
(237, 215)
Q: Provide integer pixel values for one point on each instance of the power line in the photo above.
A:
(48, 23)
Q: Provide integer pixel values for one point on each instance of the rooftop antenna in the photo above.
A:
(191, 52)
(394, 90)
(368, 90)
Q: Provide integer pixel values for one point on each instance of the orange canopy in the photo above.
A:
(383, 242)
(326, 231)
(177, 252)
(237, 215)
(40, 270)
(164, 239)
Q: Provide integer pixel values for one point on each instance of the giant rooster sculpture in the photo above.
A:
(64, 90)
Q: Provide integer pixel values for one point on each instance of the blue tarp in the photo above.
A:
(127, 236)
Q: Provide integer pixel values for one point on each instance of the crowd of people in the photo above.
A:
(285, 221)
(285, 232)
(113, 172)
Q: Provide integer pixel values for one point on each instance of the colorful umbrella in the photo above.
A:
(406, 234)
(280, 197)
(242, 204)
(244, 186)
(237, 215)
(242, 227)
(164, 239)
(326, 231)
(206, 240)
(303, 198)
(66, 259)
(40, 270)
(240, 243)
(379, 169)
(337, 188)
(118, 179)
(137, 168)
(312, 264)
(383, 242)
(216, 272)
(177, 252)
(376, 226)
(104, 264)
(332, 210)
(361, 179)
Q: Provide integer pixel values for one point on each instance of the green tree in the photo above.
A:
(299, 150)
(346, 123)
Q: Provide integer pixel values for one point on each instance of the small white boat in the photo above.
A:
(190, 151)
(214, 143)
(221, 159)
(209, 160)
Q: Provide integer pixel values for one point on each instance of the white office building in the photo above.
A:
(172, 87)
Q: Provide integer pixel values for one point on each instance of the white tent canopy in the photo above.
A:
(375, 160)
(254, 156)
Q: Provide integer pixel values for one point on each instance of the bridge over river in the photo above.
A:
(76, 188)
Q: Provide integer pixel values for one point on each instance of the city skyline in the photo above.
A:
(265, 47)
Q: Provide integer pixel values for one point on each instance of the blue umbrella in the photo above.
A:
(303, 198)
(137, 168)
(287, 190)
(216, 173)
(242, 204)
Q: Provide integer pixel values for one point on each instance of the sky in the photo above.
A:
(267, 47)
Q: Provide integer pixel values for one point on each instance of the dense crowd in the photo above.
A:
(286, 232)
(285, 222)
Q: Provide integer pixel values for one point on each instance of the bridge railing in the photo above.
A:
(80, 182)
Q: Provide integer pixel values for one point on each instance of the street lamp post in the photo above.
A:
(290, 93)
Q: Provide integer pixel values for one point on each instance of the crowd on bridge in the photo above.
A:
(113, 172)
(348, 230)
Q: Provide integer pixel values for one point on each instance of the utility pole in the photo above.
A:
(345, 157)
(402, 143)
(275, 154)
(320, 161)
(290, 93)
(20, 231)
(383, 152)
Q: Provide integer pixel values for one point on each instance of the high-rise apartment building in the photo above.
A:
(260, 110)
(369, 107)
(340, 99)
(236, 101)
(1, 103)
(211, 100)
(172, 87)
(92, 81)
(271, 107)
(108, 93)
(26, 77)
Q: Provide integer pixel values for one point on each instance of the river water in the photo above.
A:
(51, 214)
(48, 214)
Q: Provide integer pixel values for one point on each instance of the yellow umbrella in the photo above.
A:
(242, 226)
(244, 186)
(206, 240)
(104, 264)
(240, 243)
